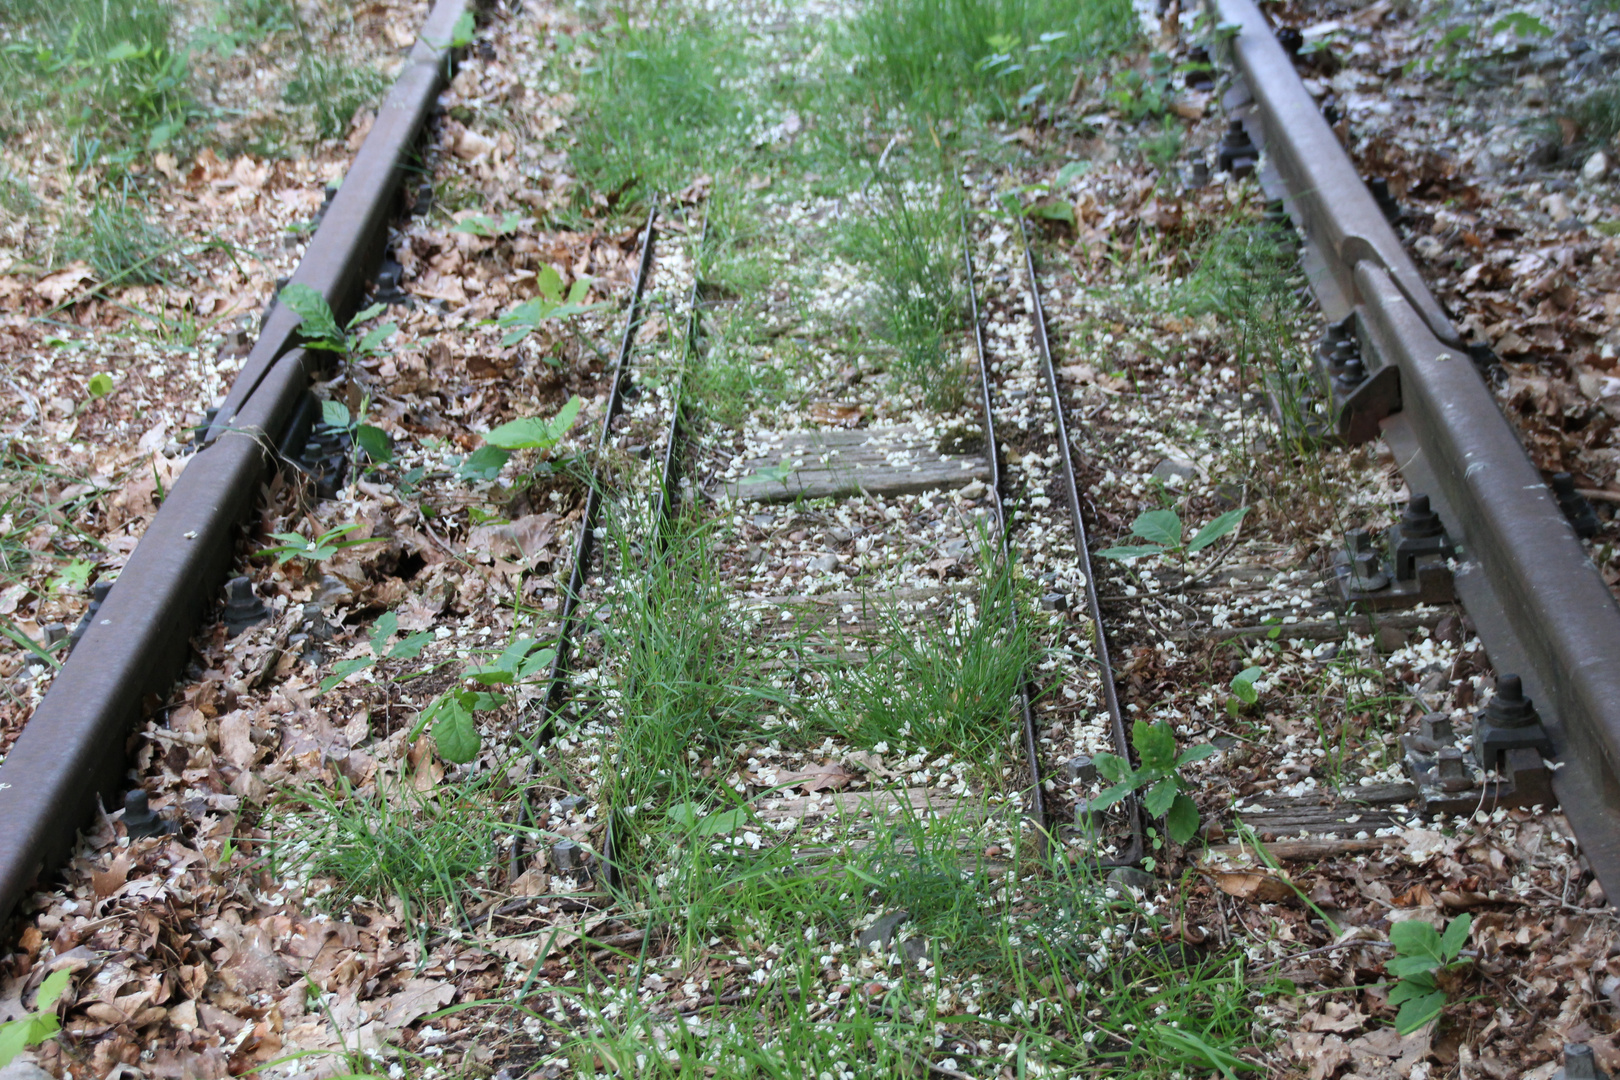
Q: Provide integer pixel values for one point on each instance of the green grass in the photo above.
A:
(658, 107)
(948, 688)
(909, 239)
(114, 71)
(940, 56)
(119, 242)
(1598, 113)
(331, 90)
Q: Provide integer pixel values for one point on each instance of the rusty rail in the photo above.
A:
(72, 752)
(1540, 606)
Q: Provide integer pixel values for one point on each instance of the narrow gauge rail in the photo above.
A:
(1541, 608)
(72, 750)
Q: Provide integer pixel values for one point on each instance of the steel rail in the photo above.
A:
(1036, 810)
(71, 753)
(1082, 545)
(1539, 604)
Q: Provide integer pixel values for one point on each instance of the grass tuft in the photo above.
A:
(332, 90)
(120, 243)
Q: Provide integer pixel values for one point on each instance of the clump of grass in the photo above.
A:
(332, 91)
(112, 69)
(1598, 113)
(910, 241)
(948, 687)
(423, 849)
(119, 242)
(657, 108)
(1004, 55)
(15, 194)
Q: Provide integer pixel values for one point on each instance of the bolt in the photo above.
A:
(565, 856)
(54, 632)
(1236, 146)
(1359, 540)
(242, 608)
(1055, 601)
(1579, 1064)
(1354, 373)
(1386, 201)
(1436, 727)
(1198, 174)
(1291, 40)
(572, 804)
(139, 818)
(1366, 573)
(1080, 770)
(1330, 113)
(1509, 708)
(1343, 355)
(1575, 506)
(1418, 520)
(1449, 769)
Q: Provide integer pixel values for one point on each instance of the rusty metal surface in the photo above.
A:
(72, 750)
(1540, 606)
(347, 247)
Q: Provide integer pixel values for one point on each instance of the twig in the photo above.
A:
(1600, 494)
(1317, 952)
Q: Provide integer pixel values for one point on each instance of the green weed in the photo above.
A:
(120, 243)
(331, 90)
(1004, 55)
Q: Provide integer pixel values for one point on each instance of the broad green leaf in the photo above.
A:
(344, 668)
(550, 284)
(124, 50)
(1155, 745)
(454, 732)
(1159, 797)
(1057, 211)
(722, 821)
(1216, 529)
(335, 413)
(1455, 937)
(370, 312)
(410, 646)
(375, 338)
(31, 1030)
(100, 385)
(1412, 968)
(475, 225)
(55, 984)
(375, 442)
(1525, 25)
(1243, 684)
(1071, 172)
(461, 34)
(1111, 767)
(1130, 551)
(685, 813)
(1109, 796)
(1413, 937)
(320, 329)
(773, 474)
(1419, 1011)
(535, 432)
(1195, 753)
(578, 291)
(1159, 526)
(485, 463)
(1182, 819)
(384, 628)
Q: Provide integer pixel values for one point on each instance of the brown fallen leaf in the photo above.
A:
(416, 998)
(827, 776)
(1251, 885)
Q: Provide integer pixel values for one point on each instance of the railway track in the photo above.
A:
(880, 550)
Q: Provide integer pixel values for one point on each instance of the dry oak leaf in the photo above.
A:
(827, 776)
(1251, 885)
(416, 998)
(1325, 1053)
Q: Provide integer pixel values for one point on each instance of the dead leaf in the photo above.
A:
(416, 998)
(824, 777)
(1323, 1053)
(1251, 885)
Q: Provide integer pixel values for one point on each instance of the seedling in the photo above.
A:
(407, 648)
(1159, 775)
(1422, 956)
(318, 550)
(530, 433)
(1243, 690)
(32, 1029)
(320, 329)
(100, 385)
(484, 225)
(1163, 532)
(368, 437)
(451, 714)
(551, 304)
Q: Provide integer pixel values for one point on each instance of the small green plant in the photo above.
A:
(484, 225)
(368, 437)
(120, 243)
(1159, 775)
(332, 90)
(382, 648)
(320, 328)
(452, 714)
(550, 305)
(531, 433)
(1422, 958)
(323, 547)
(1162, 530)
(33, 1028)
(1243, 690)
